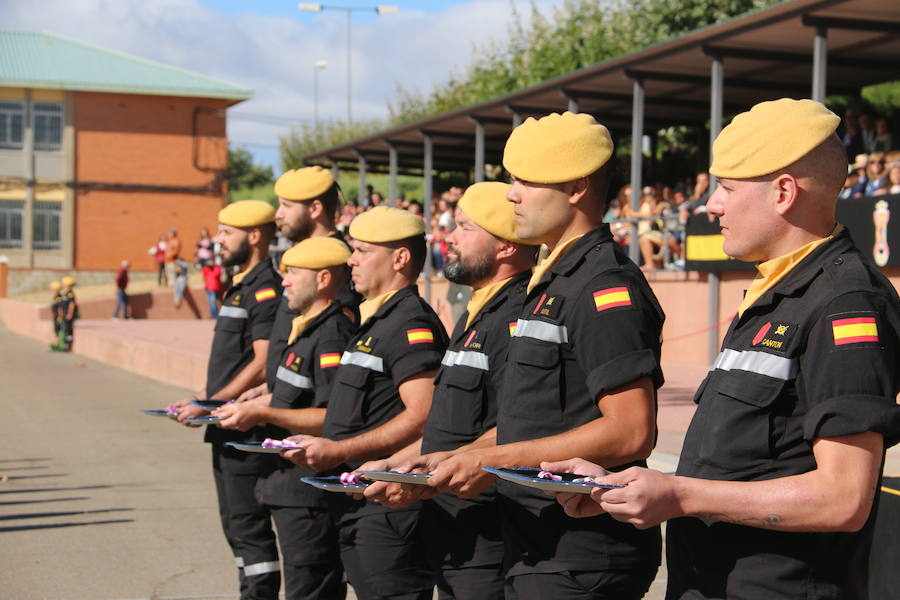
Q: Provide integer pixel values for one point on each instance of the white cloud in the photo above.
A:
(274, 55)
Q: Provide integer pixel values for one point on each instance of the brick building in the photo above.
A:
(101, 152)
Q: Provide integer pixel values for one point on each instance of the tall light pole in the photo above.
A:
(319, 64)
(383, 9)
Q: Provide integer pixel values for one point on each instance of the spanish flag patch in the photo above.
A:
(611, 298)
(512, 328)
(265, 294)
(329, 360)
(419, 336)
(854, 330)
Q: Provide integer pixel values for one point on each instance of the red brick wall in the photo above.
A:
(144, 140)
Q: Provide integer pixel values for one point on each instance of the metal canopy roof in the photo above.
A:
(767, 54)
(42, 60)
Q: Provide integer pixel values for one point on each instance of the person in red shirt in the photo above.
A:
(121, 295)
(212, 281)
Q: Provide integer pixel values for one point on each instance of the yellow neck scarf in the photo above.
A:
(481, 297)
(370, 307)
(773, 271)
(298, 325)
(240, 277)
(551, 260)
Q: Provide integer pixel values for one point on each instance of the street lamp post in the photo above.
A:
(319, 64)
(383, 9)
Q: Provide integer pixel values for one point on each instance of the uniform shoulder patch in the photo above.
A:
(419, 336)
(265, 294)
(331, 359)
(860, 328)
(612, 297)
(512, 328)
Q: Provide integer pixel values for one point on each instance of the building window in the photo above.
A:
(11, 223)
(48, 126)
(12, 116)
(47, 217)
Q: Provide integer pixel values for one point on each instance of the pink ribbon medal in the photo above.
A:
(270, 443)
(350, 479)
(549, 475)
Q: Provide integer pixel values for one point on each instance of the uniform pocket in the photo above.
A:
(534, 371)
(742, 424)
(458, 409)
(346, 405)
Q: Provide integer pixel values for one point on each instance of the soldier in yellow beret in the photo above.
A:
(237, 363)
(582, 371)
(379, 402)
(484, 253)
(56, 312)
(774, 489)
(68, 312)
(307, 537)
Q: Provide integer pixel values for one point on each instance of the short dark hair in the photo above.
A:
(417, 251)
(330, 199)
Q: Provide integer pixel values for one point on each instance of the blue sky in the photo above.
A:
(271, 47)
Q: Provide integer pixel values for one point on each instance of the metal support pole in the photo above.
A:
(717, 78)
(428, 174)
(516, 119)
(335, 172)
(820, 64)
(573, 105)
(637, 136)
(392, 153)
(362, 199)
(479, 151)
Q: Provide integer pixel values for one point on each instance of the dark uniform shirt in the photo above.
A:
(66, 302)
(402, 339)
(590, 325)
(347, 298)
(247, 314)
(814, 357)
(303, 379)
(56, 307)
(464, 407)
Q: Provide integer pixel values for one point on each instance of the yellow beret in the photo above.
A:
(316, 253)
(557, 148)
(55, 286)
(771, 136)
(247, 213)
(486, 204)
(68, 281)
(386, 224)
(307, 183)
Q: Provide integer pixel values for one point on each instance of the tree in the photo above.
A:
(243, 174)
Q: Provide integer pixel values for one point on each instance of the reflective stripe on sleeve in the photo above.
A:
(757, 362)
(539, 330)
(478, 360)
(261, 568)
(361, 359)
(235, 312)
(294, 379)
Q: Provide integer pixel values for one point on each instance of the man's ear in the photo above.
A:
(785, 190)
(401, 258)
(579, 190)
(316, 208)
(323, 279)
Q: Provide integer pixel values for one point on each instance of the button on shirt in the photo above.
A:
(590, 325)
(814, 357)
(247, 314)
(303, 379)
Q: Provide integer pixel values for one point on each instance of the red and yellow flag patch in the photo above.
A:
(611, 297)
(265, 294)
(419, 336)
(329, 360)
(512, 328)
(854, 330)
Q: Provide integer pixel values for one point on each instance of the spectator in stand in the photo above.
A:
(650, 235)
(851, 137)
(617, 210)
(173, 253)
(860, 163)
(696, 204)
(181, 280)
(204, 250)
(867, 132)
(895, 179)
(121, 294)
(158, 252)
(876, 173)
(212, 282)
(884, 139)
(414, 207)
(445, 217)
(375, 199)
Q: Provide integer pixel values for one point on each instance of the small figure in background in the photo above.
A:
(212, 282)
(158, 252)
(56, 310)
(181, 280)
(69, 312)
(204, 251)
(121, 295)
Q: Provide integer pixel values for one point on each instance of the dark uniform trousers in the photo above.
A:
(307, 535)
(814, 357)
(382, 549)
(465, 544)
(247, 314)
(590, 326)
